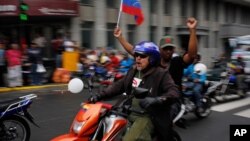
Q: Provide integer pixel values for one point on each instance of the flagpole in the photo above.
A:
(119, 16)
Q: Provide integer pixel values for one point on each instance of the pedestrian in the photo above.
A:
(14, 60)
(58, 48)
(35, 58)
(2, 64)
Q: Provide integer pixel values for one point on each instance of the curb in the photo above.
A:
(30, 87)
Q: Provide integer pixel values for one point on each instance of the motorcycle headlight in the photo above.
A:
(77, 126)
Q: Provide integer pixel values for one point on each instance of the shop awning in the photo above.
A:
(40, 7)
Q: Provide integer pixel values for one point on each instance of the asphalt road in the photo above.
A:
(54, 111)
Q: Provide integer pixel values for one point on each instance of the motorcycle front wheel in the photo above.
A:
(14, 128)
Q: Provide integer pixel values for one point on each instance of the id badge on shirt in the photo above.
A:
(136, 82)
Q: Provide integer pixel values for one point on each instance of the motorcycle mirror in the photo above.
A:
(75, 85)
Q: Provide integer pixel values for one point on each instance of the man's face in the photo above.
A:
(167, 52)
(142, 61)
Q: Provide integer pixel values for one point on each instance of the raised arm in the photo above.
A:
(125, 44)
(192, 45)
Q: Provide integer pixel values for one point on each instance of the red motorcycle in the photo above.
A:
(110, 78)
(102, 121)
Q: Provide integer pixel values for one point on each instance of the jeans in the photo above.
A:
(58, 60)
(196, 90)
(36, 78)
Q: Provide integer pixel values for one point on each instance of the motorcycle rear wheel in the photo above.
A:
(177, 137)
(206, 106)
(15, 129)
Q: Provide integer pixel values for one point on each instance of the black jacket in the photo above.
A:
(161, 84)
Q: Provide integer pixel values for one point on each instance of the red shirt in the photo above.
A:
(13, 57)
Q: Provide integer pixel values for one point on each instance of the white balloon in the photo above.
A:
(75, 85)
(200, 68)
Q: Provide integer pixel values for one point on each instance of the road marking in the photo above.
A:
(30, 87)
(231, 105)
(245, 113)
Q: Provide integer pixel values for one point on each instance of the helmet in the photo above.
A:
(200, 68)
(150, 49)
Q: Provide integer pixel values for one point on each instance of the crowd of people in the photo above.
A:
(19, 64)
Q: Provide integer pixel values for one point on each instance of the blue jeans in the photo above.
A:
(36, 78)
(196, 91)
(58, 60)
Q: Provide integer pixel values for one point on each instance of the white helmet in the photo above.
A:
(200, 68)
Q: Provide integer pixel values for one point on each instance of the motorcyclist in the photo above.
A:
(146, 73)
(125, 63)
(175, 64)
(240, 75)
(196, 81)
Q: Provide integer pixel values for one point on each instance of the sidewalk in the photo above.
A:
(7, 89)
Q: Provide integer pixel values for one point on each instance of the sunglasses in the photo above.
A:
(140, 55)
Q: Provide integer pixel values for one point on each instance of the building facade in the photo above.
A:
(91, 22)
(218, 20)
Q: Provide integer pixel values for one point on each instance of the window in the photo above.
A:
(110, 35)
(245, 13)
(195, 8)
(166, 31)
(230, 13)
(87, 34)
(206, 42)
(207, 9)
(167, 7)
(216, 38)
(184, 8)
(153, 34)
(87, 2)
(216, 10)
(131, 34)
(112, 3)
(153, 6)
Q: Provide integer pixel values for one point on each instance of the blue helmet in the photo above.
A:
(150, 49)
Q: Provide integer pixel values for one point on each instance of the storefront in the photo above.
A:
(47, 17)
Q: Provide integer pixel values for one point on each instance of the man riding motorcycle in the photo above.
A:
(146, 73)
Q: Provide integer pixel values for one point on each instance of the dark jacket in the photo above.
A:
(161, 84)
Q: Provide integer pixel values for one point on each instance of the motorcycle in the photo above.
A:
(102, 121)
(228, 89)
(14, 117)
(188, 105)
(111, 77)
(208, 92)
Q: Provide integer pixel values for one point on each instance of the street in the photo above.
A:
(54, 111)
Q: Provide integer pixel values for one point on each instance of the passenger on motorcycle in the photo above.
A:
(174, 64)
(146, 73)
(240, 75)
(195, 80)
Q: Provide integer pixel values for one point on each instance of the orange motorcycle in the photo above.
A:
(101, 121)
